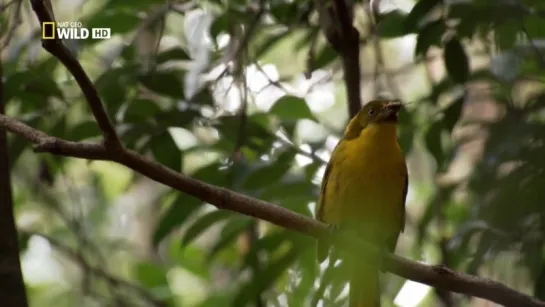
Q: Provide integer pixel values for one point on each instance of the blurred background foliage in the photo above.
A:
(247, 95)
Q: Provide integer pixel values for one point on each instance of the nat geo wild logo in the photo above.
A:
(72, 30)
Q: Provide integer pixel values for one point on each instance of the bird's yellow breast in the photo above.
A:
(366, 182)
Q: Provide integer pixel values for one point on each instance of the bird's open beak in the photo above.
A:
(394, 107)
(391, 111)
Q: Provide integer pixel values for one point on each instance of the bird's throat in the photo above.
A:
(383, 132)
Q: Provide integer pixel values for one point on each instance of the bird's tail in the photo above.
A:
(364, 286)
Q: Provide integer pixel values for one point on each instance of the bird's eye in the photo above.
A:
(371, 112)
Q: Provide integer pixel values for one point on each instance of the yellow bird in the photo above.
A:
(364, 190)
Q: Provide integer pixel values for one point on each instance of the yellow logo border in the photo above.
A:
(47, 23)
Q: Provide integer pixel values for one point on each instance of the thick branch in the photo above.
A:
(350, 54)
(352, 81)
(336, 19)
(56, 48)
(435, 276)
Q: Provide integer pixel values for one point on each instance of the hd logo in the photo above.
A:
(72, 30)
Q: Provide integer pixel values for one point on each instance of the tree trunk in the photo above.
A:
(12, 286)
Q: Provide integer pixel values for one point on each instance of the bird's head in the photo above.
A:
(380, 111)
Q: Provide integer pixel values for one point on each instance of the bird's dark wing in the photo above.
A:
(322, 245)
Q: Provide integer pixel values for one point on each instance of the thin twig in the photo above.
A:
(6, 5)
(372, 14)
(248, 32)
(13, 23)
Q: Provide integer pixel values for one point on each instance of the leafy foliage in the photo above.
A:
(254, 105)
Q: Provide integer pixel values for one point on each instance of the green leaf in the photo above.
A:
(534, 26)
(212, 174)
(453, 112)
(419, 12)
(183, 207)
(59, 128)
(168, 83)
(202, 224)
(430, 35)
(263, 176)
(312, 169)
(165, 151)
(150, 275)
(134, 133)
(172, 54)
(292, 108)
(264, 278)
(269, 41)
(392, 24)
(406, 135)
(325, 56)
(140, 110)
(434, 142)
(282, 190)
(84, 130)
(203, 97)
(505, 34)
(112, 87)
(21, 83)
(215, 300)
(129, 54)
(229, 233)
(474, 16)
(219, 25)
(440, 88)
(191, 258)
(258, 136)
(269, 243)
(119, 21)
(285, 12)
(307, 268)
(176, 118)
(456, 61)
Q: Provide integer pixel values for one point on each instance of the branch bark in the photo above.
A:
(336, 19)
(435, 276)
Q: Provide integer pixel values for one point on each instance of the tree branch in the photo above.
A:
(336, 18)
(350, 54)
(56, 48)
(12, 285)
(435, 276)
